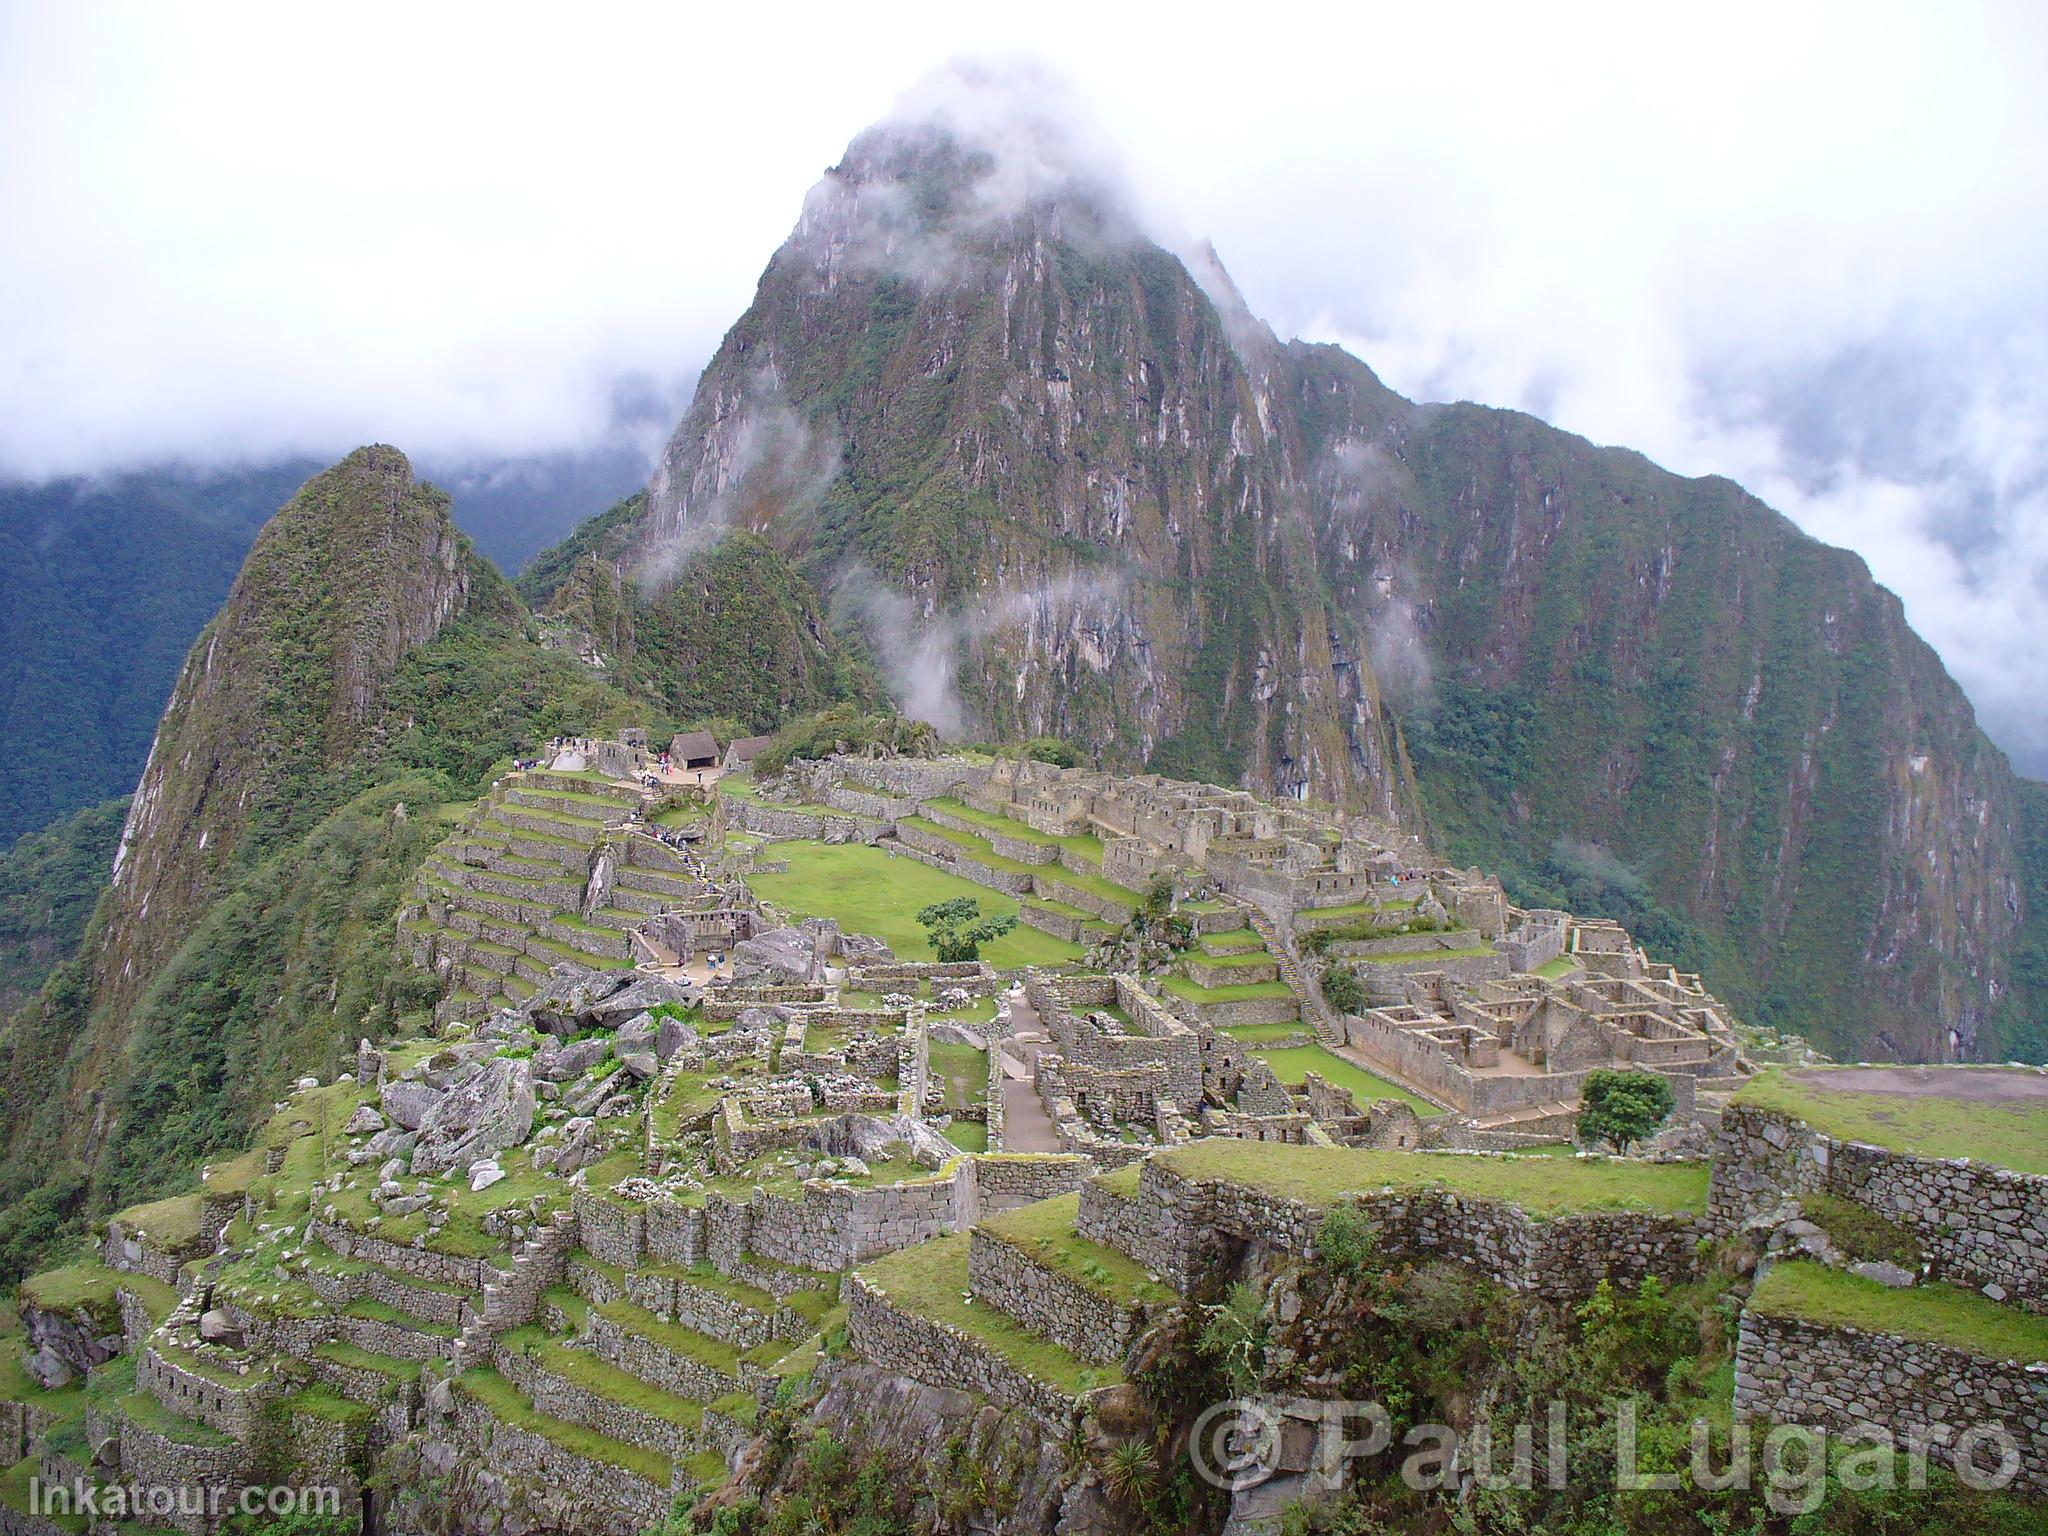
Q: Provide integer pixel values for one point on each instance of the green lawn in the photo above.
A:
(968, 1135)
(1045, 1231)
(963, 1070)
(1410, 956)
(2012, 1134)
(1543, 1186)
(1355, 909)
(1936, 1314)
(1294, 1063)
(1563, 965)
(869, 891)
(1180, 986)
(930, 1281)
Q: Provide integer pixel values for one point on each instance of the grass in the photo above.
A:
(963, 1070)
(89, 1286)
(341, 1352)
(1542, 1186)
(1356, 909)
(869, 891)
(1411, 956)
(1934, 1314)
(171, 1224)
(1551, 970)
(1236, 938)
(1085, 845)
(2011, 1135)
(930, 1281)
(585, 1370)
(1181, 987)
(1859, 1232)
(1294, 1063)
(151, 1415)
(968, 1135)
(504, 1403)
(1045, 1231)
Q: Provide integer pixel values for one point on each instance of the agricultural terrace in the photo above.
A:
(1542, 1186)
(1995, 1114)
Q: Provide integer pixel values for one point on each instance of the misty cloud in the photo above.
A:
(756, 459)
(1801, 248)
(916, 647)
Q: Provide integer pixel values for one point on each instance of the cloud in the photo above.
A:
(916, 647)
(1802, 247)
(742, 456)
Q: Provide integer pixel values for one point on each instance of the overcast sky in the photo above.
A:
(1805, 246)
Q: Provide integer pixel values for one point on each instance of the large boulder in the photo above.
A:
(644, 995)
(779, 955)
(563, 1002)
(489, 1113)
(564, 1062)
(407, 1103)
(672, 1036)
(635, 1035)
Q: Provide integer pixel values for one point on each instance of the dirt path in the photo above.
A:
(1026, 1125)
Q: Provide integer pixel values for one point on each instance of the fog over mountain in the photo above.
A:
(1802, 250)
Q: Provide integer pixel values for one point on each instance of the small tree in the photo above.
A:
(1621, 1108)
(1342, 989)
(957, 929)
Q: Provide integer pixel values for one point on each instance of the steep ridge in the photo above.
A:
(368, 668)
(357, 569)
(1067, 484)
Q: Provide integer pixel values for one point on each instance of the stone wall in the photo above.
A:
(1839, 1379)
(926, 1350)
(1185, 1228)
(560, 1398)
(1977, 1225)
(516, 1452)
(194, 1395)
(1081, 1320)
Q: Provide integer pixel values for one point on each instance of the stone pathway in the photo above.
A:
(1026, 1125)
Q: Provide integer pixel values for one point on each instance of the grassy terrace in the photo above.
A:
(1410, 956)
(930, 1281)
(1356, 909)
(1084, 845)
(1551, 970)
(2010, 1133)
(504, 1403)
(585, 1370)
(1542, 1186)
(869, 891)
(89, 1285)
(1045, 1231)
(1180, 986)
(1296, 1062)
(171, 1223)
(1934, 1314)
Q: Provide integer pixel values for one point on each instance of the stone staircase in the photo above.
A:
(539, 1263)
(1328, 1027)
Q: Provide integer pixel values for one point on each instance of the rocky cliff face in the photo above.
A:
(1015, 444)
(1066, 484)
(358, 568)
